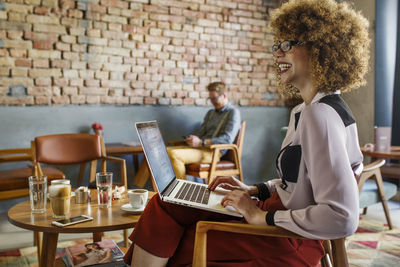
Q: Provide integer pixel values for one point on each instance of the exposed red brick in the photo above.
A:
(97, 8)
(41, 63)
(43, 81)
(67, 4)
(38, 36)
(150, 101)
(17, 53)
(115, 3)
(43, 45)
(60, 100)
(149, 60)
(23, 62)
(42, 10)
(42, 100)
(60, 82)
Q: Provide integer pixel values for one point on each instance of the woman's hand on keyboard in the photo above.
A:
(244, 204)
(230, 183)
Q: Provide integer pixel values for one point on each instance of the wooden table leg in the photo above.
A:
(97, 236)
(37, 240)
(135, 162)
(142, 175)
(48, 256)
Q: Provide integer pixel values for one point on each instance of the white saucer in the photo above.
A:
(129, 208)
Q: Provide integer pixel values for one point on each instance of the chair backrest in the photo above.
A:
(68, 148)
(238, 141)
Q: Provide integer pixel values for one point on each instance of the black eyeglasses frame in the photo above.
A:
(290, 44)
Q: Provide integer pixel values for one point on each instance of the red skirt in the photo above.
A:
(167, 230)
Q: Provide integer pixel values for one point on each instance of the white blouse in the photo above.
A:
(317, 165)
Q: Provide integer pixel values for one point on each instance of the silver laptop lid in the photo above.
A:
(156, 154)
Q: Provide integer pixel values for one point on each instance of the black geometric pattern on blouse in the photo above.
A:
(290, 163)
(338, 104)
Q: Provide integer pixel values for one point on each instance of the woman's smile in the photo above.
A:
(283, 67)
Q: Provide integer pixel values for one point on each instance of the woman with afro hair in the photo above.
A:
(321, 49)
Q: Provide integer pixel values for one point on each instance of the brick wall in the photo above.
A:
(141, 52)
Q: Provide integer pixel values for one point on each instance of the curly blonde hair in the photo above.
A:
(336, 37)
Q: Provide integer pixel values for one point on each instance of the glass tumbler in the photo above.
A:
(38, 193)
(104, 189)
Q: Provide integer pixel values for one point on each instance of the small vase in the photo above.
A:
(98, 132)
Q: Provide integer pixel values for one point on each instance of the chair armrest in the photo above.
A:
(111, 158)
(177, 143)
(122, 161)
(224, 146)
(15, 154)
(374, 165)
(338, 250)
(200, 243)
(242, 228)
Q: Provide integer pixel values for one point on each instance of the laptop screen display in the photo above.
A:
(156, 153)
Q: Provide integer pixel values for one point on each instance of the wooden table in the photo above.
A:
(391, 170)
(134, 149)
(129, 148)
(104, 220)
(394, 153)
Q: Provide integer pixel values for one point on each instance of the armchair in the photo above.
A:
(230, 163)
(334, 248)
(14, 181)
(373, 189)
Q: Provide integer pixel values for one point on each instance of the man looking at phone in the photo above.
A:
(220, 126)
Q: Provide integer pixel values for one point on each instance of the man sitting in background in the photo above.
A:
(220, 126)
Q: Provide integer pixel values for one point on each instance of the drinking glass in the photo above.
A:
(38, 193)
(60, 198)
(104, 189)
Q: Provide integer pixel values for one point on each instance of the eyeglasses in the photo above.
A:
(285, 46)
(213, 99)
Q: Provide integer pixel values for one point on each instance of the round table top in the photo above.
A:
(123, 148)
(394, 153)
(104, 219)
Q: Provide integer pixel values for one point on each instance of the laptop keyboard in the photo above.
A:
(194, 193)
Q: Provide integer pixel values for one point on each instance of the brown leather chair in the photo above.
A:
(228, 165)
(334, 248)
(71, 149)
(14, 181)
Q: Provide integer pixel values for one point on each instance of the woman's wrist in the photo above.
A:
(258, 218)
(252, 190)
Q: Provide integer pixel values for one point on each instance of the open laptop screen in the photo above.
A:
(156, 153)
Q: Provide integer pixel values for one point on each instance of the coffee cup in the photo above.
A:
(60, 198)
(138, 198)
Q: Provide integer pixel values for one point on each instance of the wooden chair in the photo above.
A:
(373, 189)
(72, 149)
(230, 163)
(335, 249)
(14, 180)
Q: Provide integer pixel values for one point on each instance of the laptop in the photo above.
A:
(170, 188)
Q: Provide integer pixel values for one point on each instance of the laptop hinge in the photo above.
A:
(170, 188)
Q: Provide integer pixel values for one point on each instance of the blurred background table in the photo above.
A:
(392, 167)
(128, 148)
(135, 149)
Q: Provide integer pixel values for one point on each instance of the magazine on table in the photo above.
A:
(103, 253)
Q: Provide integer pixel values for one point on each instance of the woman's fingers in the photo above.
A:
(219, 180)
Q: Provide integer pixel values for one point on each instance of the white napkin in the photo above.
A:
(117, 192)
